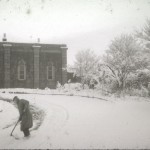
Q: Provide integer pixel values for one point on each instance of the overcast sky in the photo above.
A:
(81, 24)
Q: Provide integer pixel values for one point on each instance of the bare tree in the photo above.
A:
(144, 33)
(144, 38)
(86, 65)
(86, 62)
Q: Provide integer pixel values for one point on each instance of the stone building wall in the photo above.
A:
(36, 58)
(64, 66)
(45, 58)
(1, 67)
(27, 57)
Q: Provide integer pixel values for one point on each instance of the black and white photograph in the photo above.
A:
(75, 74)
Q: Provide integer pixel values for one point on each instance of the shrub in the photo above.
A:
(143, 92)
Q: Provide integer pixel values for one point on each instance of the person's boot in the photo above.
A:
(26, 132)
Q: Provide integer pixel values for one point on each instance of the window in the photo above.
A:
(21, 70)
(50, 72)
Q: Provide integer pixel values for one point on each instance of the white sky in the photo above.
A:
(81, 24)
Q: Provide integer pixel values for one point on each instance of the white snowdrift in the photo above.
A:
(73, 122)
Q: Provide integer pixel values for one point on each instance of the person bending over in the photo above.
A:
(25, 115)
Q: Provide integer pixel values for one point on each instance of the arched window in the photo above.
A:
(21, 70)
(50, 71)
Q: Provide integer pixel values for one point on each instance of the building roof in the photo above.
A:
(35, 44)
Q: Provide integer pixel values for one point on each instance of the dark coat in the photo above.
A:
(25, 114)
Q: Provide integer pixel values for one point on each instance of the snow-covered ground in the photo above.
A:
(73, 122)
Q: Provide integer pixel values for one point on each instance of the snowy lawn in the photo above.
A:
(73, 122)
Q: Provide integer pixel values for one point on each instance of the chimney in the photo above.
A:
(4, 37)
(38, 40)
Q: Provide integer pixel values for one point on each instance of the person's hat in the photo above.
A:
(16, 97)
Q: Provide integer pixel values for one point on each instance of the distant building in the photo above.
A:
(32, 65)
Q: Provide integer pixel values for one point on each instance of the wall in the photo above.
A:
(12, 53)
(17, 54)
(44, 58)
(1, 67)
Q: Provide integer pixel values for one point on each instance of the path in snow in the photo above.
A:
(55, 117)
(38, 117)
(75, 122)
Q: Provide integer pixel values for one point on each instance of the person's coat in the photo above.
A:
(25, 114)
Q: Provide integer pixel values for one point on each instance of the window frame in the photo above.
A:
(21, 65)
(52, 72)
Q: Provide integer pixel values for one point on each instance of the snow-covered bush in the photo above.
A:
(102, 89)
(68, 87)
(90, 81)
(143, 92)
(47, 89)
(73, 86)
(1, 107)
(144, 77)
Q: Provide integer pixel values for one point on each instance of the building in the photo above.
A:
(32, 65)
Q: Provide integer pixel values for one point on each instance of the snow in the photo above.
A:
(74, 122)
